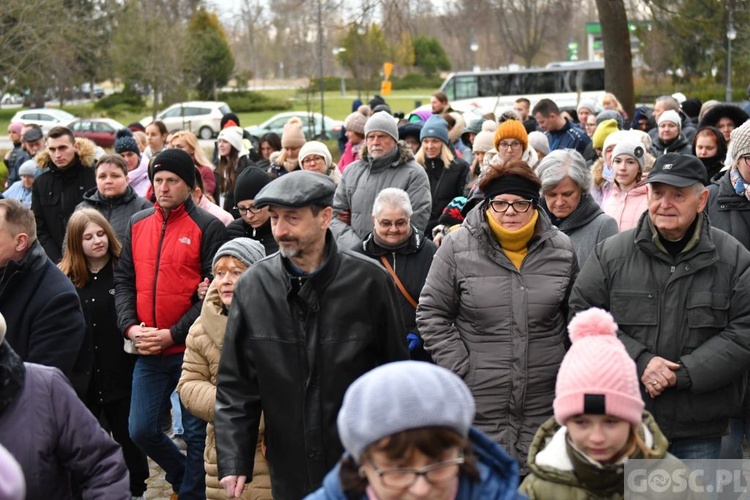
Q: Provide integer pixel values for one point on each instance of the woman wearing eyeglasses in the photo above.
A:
(512, 143)
(254, 223)
(405, 253)
(447, 173)
(315, 156)
(493, 309)
(406, 428)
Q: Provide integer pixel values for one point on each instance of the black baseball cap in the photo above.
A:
(677, 170)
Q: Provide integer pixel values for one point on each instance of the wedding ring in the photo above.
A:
(654, 382)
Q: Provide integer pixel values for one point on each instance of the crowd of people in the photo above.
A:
(517, 305)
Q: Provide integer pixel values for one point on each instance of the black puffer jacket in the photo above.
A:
(445, 184)
(680, 145)
(293, 345)
(118, 210)
(728, 210)
(411, 263)
(238, 228)
(56, 194)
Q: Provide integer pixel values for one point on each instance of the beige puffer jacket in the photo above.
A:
(197, 389)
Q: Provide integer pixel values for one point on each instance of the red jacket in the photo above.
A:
(161, 264)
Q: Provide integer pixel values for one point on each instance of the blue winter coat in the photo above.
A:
(498, 476)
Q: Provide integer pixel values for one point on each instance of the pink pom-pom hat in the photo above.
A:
(597, 376)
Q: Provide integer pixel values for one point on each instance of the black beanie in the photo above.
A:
(124, 141)
(176, 161)
(226, 118)
(249, 183)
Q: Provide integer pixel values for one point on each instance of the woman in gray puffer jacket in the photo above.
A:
(493, 309)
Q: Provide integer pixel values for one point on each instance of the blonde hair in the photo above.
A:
(140, 140)
(191, 140)
(445, 155)
(610, 97)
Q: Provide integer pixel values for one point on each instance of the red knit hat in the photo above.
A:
(597, 376)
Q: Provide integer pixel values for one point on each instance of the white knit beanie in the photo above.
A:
(671, 116)
(399, 396)
(315, 148)
(233, 135)
(484, 140)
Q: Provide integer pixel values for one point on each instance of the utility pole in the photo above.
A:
(322, 79)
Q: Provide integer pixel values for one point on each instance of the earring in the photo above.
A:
(361, 471)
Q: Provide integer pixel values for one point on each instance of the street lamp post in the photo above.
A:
(336, 52)
(474, 47)
(731, 35)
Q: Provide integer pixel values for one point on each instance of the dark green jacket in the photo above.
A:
(693, 310)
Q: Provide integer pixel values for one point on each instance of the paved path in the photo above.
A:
(158, 487)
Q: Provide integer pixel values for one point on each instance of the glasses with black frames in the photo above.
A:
(402, 478)
(502, 206)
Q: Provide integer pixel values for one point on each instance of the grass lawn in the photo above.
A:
(336, 106)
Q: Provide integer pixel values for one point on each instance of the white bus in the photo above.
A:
(566, 83)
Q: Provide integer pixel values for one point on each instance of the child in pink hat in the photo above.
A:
(599, 420)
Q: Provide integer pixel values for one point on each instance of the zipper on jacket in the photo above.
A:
(394, 262)
(158, 261)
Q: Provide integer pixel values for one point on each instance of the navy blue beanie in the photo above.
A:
(436, 127)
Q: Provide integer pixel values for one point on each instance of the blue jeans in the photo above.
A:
(154, 380)
(695, 448)
(177, 429)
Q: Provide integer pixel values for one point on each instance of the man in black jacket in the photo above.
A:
(60, 188)
(304, 324)
(40, 304)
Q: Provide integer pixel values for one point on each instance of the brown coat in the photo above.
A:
(197, 389)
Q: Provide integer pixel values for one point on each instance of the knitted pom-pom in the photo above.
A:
(592, 322)
(489, 126)
(365, 110)
(123, 132)
(294, 121)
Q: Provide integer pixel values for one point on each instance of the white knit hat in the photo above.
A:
(400, 396)
(740, 141)
(484, 140)
(671, 115)
(315, 148)
(233, 135)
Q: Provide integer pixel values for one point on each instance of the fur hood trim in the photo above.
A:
(86, 152)
(405, 154)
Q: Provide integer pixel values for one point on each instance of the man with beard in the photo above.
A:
(304, 324)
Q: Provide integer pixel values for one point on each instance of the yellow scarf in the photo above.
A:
(515, 244)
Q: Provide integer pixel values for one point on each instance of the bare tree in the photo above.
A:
(526, 25)
(618, 63)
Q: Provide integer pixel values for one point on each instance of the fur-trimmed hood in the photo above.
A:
(405, 154)
(86, 152)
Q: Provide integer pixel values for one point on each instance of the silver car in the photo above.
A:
(47, 118)
(203, 118)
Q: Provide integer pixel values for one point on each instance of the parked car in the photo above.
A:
(11, 99)
(100, 130)
(311, 125)
(203, 118)
(86, 92)
(44, 117)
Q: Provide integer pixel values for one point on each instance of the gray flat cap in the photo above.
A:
(300, 188)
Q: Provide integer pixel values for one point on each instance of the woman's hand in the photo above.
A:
(202, 288)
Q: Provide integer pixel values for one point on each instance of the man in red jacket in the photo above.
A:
(168, 250)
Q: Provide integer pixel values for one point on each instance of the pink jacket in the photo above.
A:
(215, 210)
(626, 207)
(350, 154)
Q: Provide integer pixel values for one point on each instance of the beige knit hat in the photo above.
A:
(740, 141)
(293, 137)
(355, 122)
(484, 141)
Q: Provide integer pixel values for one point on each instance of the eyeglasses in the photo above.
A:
(244, 210)
(502, 206)
(509, 145)
(313, 159)
(399, 224)
(399, 479)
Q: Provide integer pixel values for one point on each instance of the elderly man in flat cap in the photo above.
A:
(304, 324)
